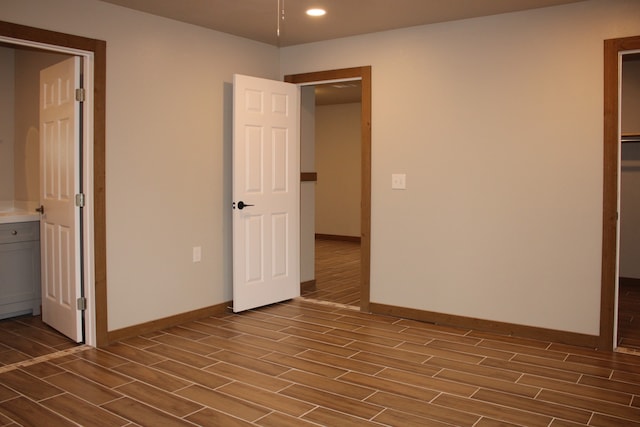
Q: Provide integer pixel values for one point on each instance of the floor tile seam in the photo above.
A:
(555, 405)
(617, 358)
(439, 380)
(571, 367)
(236, 380)
(587, 386)
(261, 406)
(187, 351)
(446, 350)
(347, 370)
(469, 352)
(44, 358)
(343, 346)
(371, 420)
(565, 355)
(494, 380)
(315, 407)
(410, 386)
(40, 403)
(336, 395)
(594, 411)
(513, 409)
(46, 345)
(376, 352)
(157, 407)
(154, 409)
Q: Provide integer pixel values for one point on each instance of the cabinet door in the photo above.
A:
(19, 278)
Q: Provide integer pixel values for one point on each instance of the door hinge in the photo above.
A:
(80, 200)
(81, 303)
(80, 94)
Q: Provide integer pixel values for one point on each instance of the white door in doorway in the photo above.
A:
(59, 184)
(266, 192)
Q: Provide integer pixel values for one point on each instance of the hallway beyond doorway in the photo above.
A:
(337, 266)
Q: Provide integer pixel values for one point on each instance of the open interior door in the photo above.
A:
(59, 184)
(266, 192)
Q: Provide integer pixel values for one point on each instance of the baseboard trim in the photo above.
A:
(355, 239)
(501, 328)
(167, 322)
(308, 286)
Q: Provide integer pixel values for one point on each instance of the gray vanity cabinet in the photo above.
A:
(19, 269)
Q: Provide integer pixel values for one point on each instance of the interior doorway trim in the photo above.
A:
(363, 74)
(613, 49)
(67, 43)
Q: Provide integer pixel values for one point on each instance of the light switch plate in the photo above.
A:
(398, 181)
(197, 253)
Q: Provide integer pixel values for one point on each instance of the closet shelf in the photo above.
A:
(630, 137)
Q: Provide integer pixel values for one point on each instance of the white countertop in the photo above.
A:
(18, 216)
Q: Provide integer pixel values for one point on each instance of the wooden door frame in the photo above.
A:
(98, 48)
(608, 314)
(364, 74)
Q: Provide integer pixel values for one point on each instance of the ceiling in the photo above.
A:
(258, 19)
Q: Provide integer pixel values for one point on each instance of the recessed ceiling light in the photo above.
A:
(316, 12)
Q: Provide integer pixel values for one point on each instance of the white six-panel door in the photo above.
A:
(59, 183)
(266, 176)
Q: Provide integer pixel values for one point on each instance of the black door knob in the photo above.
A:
(242, 205)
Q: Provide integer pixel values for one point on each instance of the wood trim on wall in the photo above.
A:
(308, 286)
(510, 329)
(355, 239)
(167, 322)
(99, 48)
(364, 73)
(608, 315)
(308, 176)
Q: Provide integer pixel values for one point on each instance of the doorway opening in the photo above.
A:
(610, 315)
(93, 53)
(628, 321)
(329, 242)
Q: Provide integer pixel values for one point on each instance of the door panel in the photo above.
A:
(59, 182)
(266, 170)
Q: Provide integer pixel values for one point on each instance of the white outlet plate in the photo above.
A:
(197, 253)
(398, 181)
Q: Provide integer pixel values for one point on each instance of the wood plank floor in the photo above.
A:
(301, 363)
(337, 265)
(629, 314)
(27, 337)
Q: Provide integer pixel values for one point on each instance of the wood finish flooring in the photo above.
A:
(337, 268)
(26, 337)
(301, 363)
(629, 314)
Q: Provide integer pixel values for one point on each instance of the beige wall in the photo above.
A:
(26, 157)
(501, 219)
(630, 102)
(630, 173)
(498, 124)
(338, 161)
(168, 157)
(7, 130)
(19, 121)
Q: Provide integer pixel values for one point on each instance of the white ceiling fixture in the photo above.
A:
(253, 19)
(316, 12)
